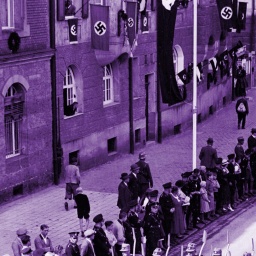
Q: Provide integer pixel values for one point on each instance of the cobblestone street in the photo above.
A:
(167, 161)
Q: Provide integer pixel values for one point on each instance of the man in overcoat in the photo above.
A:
(124, 193)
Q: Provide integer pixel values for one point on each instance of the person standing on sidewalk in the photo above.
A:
(87, 248)
(42, 241)
(124, 193)
(83, 209)
(72, 179)
(144, 175)
(252, 147)
(133, 183)
(242, 111)
(208, 156)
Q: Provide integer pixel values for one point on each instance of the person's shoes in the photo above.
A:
(66, 206)
(230, 208)
(224, 209)
(82, 234)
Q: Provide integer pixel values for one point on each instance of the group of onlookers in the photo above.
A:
(149, 219)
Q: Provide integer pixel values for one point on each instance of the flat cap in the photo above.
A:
(167, 185)
(21, 231)
(240, 138)
(79, 190)
(89, 232)
(253, 130)
(73, 234)
(218, 160)
(98, 218)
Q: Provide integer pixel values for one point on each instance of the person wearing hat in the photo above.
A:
(43, 241)
(101, 243)
(72, 248)
(208, 155)
(252, 147)
(17, 243)
(153, 197)
(167, 206)
(119, 231)
(87, 248)
(133, 183)
(144, 175)
(124, 193)
(239, 149)
(72, 180)
(153, 228)
(134, 223)
(83, 209)
(242, 111)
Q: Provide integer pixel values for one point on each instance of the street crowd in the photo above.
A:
(150, 222)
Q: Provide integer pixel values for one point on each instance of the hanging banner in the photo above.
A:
(72, 28)
(131, 11)
(166, 18)
(226, 12)
(241, 17)
(144, 22)
(100, 27)
(142, 5)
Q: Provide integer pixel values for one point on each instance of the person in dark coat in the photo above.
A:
(241, 83)
(135, 225)
(83, 209)
(42, 241)
(153, 228)
(124, 193)
(231, 180)
(167, 206)
(239, 150)
(70, 9)
(144, 175)
(72, 248)
(208, 155)
(242, 111)
(133, 183)
(101, 243)
(252, 147)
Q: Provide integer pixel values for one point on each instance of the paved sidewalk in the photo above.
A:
(167, 161)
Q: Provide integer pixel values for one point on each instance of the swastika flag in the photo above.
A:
(72, 27)
(100, 27)
(144, 22)
(241, 17)
(226, 13)
(131, 23)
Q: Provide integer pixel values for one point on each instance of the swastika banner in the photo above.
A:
(144, 22)
(166, 18)
(131, 11)
(72, 27)
(241, 17)
(226, 13)
(100, 27)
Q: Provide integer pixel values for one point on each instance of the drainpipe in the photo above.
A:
(159, 113)
(53, 86)
(131, 106)
(252, 36)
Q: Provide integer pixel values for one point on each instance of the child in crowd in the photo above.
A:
(204, 201)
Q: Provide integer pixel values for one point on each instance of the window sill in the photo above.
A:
(12, 156)
(5, 31)
(68, 117)
(110, 104)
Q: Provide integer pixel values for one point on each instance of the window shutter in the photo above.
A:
(61, 10)
(85, 5)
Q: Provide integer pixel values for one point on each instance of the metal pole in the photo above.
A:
(194, 83)
(131, 105)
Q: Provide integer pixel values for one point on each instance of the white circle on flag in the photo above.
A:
(130, 22)
(100, 28)
(226, 13)
(145, 21)
(73, 30)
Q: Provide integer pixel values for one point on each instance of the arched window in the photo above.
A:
(178, 60)
(108, 90)
(13, 118)
(69, 93)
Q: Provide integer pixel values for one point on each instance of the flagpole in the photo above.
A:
(194, 82)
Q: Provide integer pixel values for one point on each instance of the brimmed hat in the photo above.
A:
(186, 175)
(167, 185)
(134, 167)
(153, 193)
(231, 156)
(73, 234)
(89, 232)
(209, 140)
(21, 231)
(152, 204)
(142, 155)
(253, 130)
(79, 190)
(124, 176)
(98, 218)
